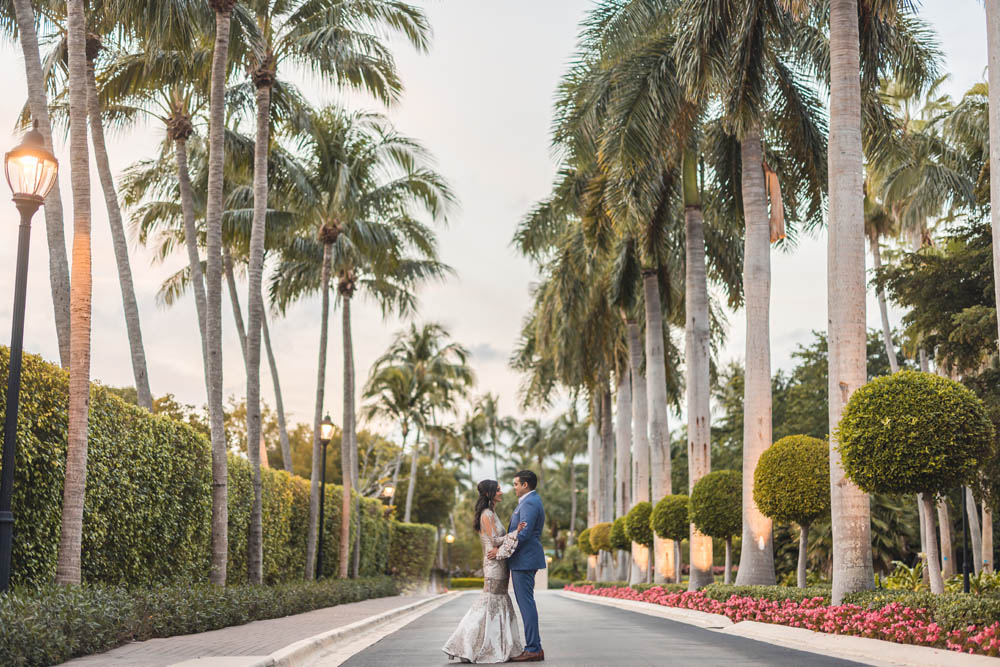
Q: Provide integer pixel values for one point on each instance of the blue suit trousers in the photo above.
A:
(524, 591)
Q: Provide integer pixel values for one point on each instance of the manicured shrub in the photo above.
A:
(723, 592)
(792, 485)
(600, 536)
(619, 540)
(637, 524)
(147, 509)
(670, 588)
(411, 551)
(583, 542)
(670, 518)
(914, 432)
(716, 508)
(51, 624)
(458, 583)
(952, 611)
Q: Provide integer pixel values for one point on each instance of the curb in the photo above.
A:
(302, 651)
(876, 652)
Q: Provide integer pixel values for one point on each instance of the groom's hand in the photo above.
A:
(492, 554)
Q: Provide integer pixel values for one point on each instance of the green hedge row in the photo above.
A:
(723, 592)
(52, 624)
(952, 611)
(411, 551)
(459, 583)
(669, 588)
(147, 511)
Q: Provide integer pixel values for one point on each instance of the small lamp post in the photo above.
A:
(450, 539)
(31, 171)
(325, 435)
(388, 492)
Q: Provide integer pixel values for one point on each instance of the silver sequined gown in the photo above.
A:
(490, 631)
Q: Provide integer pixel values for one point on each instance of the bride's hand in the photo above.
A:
(521, 526)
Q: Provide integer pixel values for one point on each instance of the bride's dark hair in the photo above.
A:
(487, 489)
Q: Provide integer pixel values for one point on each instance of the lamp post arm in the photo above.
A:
(27, 206)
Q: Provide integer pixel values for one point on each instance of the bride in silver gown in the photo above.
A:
(490, 631)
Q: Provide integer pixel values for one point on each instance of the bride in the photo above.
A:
(490, 632)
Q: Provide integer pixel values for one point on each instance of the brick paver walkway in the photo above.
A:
(257, 638)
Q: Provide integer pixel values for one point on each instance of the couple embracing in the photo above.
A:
(489, 632)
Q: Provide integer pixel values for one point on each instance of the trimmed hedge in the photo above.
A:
(411, 550)
(465, 582)
(52, 624)
(952, 611)
(715, 504)
(670, 517)
(600, 536)
(637, 527)
(619, 540)
(723, 592)
(583, 542)
(669, 588)
(147, 511)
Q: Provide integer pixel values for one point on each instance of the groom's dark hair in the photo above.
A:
(528, 477)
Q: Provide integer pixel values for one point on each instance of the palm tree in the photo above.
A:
(394, 394)
(368, 180)
(70, 539)
(24, 17)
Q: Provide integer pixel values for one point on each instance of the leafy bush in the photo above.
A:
(906, 578)
(670, 588)
(51, 624)
(458, 583)
(670, 518)
(583, 542)
(411, 550)
(913, 432)
(619, 540)
(600, 584)
(557, 584)
(952, 611)
(637, 524)
(716, 507)
(791, 483)
(148, 504)
(723, 592)
(600, 536)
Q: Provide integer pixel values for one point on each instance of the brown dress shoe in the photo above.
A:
(529, 657)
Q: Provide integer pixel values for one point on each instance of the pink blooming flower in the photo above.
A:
(893, 622)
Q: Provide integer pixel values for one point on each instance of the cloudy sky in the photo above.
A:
(481, 100)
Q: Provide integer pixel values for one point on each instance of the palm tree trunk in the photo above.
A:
(347, 455)
(933, 562)
(318, 412)
(659, 429)
(803, 555)
(411, 487)
(191, 243)
(890, 347)
(594, 462)
(851, 513)
(395, 470)
(923, 539)
(279, 403)
(947, 551)
(572, 501)
(640, 445)
(118, 241)
(54, 228)
(993, 59)
(987, 538)
(234, 298)
(727, 576)
(757, 552)
(606, 480)
(697, 359)
(213, 290)
(623, 446)
(70, 538)
(678, 565)
(255, 308)
(974, 531)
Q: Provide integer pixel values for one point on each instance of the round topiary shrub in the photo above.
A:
(791, 484)
(637, 524)
(583, 542)
(619, 540)
(670, 518)
(716, 508)
(914, 432)
(600, 536)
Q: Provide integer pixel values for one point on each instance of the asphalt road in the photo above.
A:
(577, 634)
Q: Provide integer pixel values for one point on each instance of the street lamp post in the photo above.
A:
(450, 539)
(31, 172)
(325, 434)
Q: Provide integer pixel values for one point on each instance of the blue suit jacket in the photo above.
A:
(529, 554)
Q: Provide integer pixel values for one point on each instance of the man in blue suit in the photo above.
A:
(526, 560)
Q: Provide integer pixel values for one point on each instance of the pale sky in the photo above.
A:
(481, 101)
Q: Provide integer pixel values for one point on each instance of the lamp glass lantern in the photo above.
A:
(30, 167)
(449, 538)
(326, 429)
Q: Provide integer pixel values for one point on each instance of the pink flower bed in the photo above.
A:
(894, 622)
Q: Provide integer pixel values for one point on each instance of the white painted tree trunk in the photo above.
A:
(803, 555)
(851, 514)
(640, 445)
(975, 534)
(933, 560)
(411, 487)
(213, 290)
(698, 386)
(593, 470)
(75, 481)
(987, 538)
(54, 226)
(659, 429)
(606, 482)
(947, 550)
(623, 446)
(757, 551)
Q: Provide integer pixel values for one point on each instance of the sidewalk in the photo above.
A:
(258, 638)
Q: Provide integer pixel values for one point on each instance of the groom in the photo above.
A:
(526, 560)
